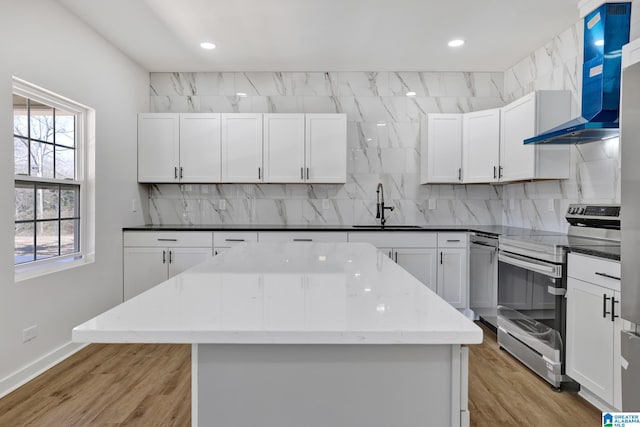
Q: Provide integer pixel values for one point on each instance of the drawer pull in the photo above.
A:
(167, 240)
(453, 240)
(608, 276)
(303, 240)
(234, 240)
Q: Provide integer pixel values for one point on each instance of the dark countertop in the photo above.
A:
(609, 252)
(496, 230)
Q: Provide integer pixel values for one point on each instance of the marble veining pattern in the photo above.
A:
(389, 154)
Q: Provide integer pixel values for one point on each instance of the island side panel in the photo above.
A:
(245, 385)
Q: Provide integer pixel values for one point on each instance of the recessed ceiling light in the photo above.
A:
(207, 45)
(456, 43)
(241, 94)
(599, 43)
(411, 94)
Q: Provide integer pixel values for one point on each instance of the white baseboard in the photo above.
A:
(29, 372)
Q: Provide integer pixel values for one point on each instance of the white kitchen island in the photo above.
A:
(305, 335)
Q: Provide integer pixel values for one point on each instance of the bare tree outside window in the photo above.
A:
(47, 216)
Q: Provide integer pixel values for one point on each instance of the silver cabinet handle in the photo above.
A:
(234, 240)
(302, 173)
(164, 257)
(608, 276)
(167, 240)
(303, 240)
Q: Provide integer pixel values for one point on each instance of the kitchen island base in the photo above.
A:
(338, 385)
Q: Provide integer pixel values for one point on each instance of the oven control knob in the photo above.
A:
(572, 210)
(581, 211)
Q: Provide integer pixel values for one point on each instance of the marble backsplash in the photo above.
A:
(389, 154)
(595, 166)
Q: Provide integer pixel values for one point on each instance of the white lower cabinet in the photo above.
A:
(151, 258)
(420, 262)
(452, 276)
(593, 327)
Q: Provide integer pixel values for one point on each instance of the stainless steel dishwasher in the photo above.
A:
(483, 277)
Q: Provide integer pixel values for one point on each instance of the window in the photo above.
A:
(48, 139)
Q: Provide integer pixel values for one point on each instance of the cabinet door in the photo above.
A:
(158, 147)
(590, 337)
(200, 148)
(284, 148)
(143, 269)
(181, 259)
(452, 276)
(242, 148)
(421, 263)
(517, 122)
(483, 298)
(326, 148)
(481, 146)
(444, 148)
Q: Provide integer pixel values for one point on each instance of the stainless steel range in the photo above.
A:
(532, 285)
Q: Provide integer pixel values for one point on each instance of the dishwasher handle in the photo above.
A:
(531, 264)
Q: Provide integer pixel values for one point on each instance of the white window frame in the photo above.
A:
(85, 178)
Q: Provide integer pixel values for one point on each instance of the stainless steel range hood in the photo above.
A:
(606, 30)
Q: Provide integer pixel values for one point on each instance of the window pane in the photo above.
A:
(69, 202)
(46, 239)
(65, 128)
(21, 156)
(20, 119)
(69, 237)
(24, 195)
(47, 202)
(41, 160)
(23, 243)
(41, 121)
(65, 163)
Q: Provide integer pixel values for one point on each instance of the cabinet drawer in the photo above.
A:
(168, 239)
(396, 239)
(594, 270)
(452, 240)
(313, 236)
(223, 239)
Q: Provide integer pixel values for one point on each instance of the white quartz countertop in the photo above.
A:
(292, 293)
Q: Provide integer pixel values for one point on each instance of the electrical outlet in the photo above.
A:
(222, 205)
(134, 205)
(30, 333)
(432, 204)
(326, 204)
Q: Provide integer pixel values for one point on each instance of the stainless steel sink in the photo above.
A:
(389, 227)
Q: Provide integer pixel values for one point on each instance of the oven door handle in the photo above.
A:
(530, 264)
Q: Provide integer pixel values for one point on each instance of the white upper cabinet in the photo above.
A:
(443, 148)
(199, 148)
(284, 146)
(529, 116)
(158, 147)
(242, 148)
(481, 146)
(326, 148)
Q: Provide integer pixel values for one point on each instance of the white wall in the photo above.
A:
(47, 46)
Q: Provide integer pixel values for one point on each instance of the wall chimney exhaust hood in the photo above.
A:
(606, 30)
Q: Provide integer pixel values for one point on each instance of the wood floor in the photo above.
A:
(149, 385)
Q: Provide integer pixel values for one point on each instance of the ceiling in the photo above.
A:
(326, 35)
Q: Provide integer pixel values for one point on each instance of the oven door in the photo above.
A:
(531, 303)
